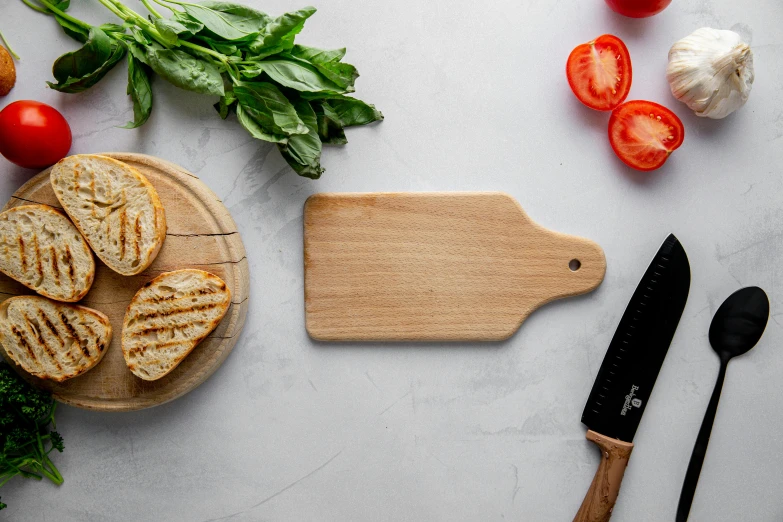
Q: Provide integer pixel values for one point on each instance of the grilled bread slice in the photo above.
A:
(115, 207)
(168, 317)
(41, 249)
(53, 340)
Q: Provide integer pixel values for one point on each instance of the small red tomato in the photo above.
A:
(643, 134)
(33, 134)
(638, 8)
(599, 72)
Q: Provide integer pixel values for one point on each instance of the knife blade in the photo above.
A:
(630, 367)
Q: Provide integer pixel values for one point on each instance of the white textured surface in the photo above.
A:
(475, 98)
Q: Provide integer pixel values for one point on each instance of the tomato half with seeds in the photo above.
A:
(599, 72)
(644, 134)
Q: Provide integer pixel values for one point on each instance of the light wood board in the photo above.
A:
(201, 234)
(433, 266)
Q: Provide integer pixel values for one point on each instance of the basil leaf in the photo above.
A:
(328, 64)
(181, 26)
(95, 52)
(61, 5)
(170, 26)
(217, 22)
(77, 32)
(303, 151)
(138, 53)
(249, 71)
(354, 112)
(228, 50)
(313, 55)
(281, 47)
(169, 30)
(191, 26)
(272, 110)
(140, 92)
(252, 120)
(295, 75)
(225, 104)
(242, 17)
(349, 110)
(140, 37)
(279, 34)
(185, 71)
(330, 129)
(75, 85)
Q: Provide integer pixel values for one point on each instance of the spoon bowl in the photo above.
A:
(739, 322)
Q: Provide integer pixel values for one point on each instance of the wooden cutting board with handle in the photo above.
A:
(434, 266)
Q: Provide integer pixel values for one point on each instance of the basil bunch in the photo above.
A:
(281, 92)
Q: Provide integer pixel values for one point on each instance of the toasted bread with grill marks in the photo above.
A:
(114, 206)
(40, 248)
(168, 317)
(53, 340)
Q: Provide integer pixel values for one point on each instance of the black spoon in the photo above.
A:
(736, 328)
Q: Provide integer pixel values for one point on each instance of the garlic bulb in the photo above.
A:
(711, 71)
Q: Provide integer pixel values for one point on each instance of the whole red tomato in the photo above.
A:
(33, 134)
(638, 8)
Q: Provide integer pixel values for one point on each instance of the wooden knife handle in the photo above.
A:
(599, 501)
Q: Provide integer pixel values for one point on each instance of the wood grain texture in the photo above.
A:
(201, 234)
(433, 266)
(600, 498)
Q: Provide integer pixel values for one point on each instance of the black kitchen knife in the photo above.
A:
(627, 375)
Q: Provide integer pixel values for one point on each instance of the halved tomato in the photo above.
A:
(643, 134)
(599, 72)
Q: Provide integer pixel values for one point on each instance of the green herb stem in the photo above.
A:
(151, 9)
(114, 9)
(178, 2)
(8, 46)
(51, 476)
(143, 23)
(25, 474)
(231, 68)
(31, 5)
(17, 466)
(51, 415)
(131, 16)
(52, 473)
(166, 6)
(65, 15)
(205, 50)
(40, 443)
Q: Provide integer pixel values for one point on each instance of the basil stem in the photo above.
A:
(8, 46)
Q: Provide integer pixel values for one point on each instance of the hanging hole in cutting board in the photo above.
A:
(574, 265)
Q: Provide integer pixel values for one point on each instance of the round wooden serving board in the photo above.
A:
(201, 234)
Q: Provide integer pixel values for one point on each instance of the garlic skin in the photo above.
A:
(711, 71)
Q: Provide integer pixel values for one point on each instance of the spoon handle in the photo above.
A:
(700, 449)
